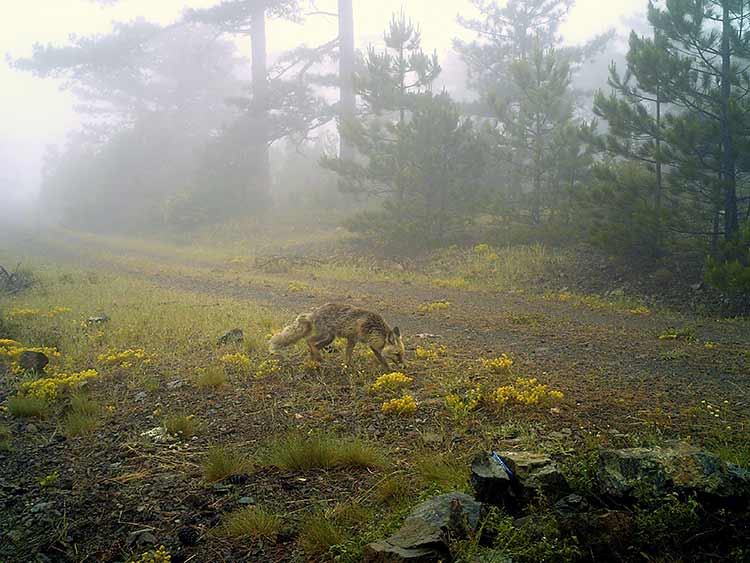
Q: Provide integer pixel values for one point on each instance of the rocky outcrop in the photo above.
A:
(425, 534)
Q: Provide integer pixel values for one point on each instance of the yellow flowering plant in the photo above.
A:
(501, 364)
(459, 407)
(432, 353)
(390, 382)
(267, 368)
(404, 406)
(160, 555)
(526, 392)
(49, 388)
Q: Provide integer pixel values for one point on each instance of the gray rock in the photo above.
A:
(246, 500)
(571, 504)
(33, 361)
(231, 336)
(426, 533)
(547, 480)
(98, 319)
(42, 507)
(627, 473)
(492, 483)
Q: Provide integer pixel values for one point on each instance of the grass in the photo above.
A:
(251, 522)
(394, 489)
(83, 417)
(222, 461)
(442, 470)
(298, 451)
(212, 377)
(180, 425)
(27, 407)
(318, 535)
(5, 438)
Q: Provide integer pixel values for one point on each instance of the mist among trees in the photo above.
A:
(180, 132)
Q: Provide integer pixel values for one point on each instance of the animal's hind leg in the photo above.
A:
(314, 351)
(349, 349)
(324, 340)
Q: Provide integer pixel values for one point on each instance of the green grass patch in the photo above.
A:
(251, 522)
(442, 470)
(318, 535)
(181, 426)
(26, 407)
(222, 461)
(212, 377)
(5, 438)
(298, 451)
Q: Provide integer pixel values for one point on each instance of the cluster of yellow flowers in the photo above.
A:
(160, 555)
(58, 311)
(126, 358)
(390, 382)
(297, 287)
(21, 313)
(47, 388)
(527, 392)
(404, 406)
(431, 353)
(640, 310)
(267, 368)
(237, 362)
(460, 407)
(11, 350)
(435, 306)
(452, 283)
(498, 365)
(710, 345)
(486, 252)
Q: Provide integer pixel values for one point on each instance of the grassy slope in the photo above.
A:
(622, 385)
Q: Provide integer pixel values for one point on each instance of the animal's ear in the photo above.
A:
(397, 332)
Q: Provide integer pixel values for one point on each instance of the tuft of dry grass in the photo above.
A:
(5, 438)
(441, 470)
(83, 417)
(24, 407)
(318, 535)
(181, 426)
(250, 522)
(210, 378)
(222, 461)
(298, 451)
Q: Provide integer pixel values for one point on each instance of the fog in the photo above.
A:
(37, 112)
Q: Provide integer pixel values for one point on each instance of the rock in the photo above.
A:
(493, 484)
(246, 500)
(238, 478)
(141, 538)
(33, 361)
(188, 535)
(426, 534)
(697, 286)
(176, 384)
(571, 504)
(42, 507)
(97, 319)
(624, 474)
(548, 481)
(607, 534)
(31, 428)
(231, 336)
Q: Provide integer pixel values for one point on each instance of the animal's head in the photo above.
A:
(394, 348)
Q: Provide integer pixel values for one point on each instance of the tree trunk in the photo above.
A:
(728, 172)
(347, 101)
(261, 185)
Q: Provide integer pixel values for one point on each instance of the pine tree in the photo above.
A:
(708, 40)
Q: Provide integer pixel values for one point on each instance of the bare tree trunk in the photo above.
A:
(728, 172)
(348, 103)
(262, 178)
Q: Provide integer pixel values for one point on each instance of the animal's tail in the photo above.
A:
(301, 327)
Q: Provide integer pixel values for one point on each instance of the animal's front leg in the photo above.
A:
(381, 359)
(349, 350)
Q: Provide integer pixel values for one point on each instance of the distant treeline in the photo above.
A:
(177, 137)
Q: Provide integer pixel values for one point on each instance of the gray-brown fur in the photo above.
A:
(333, 320)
